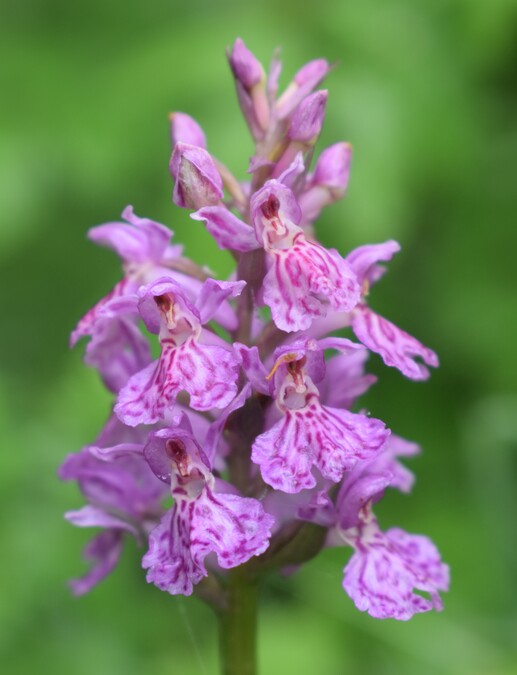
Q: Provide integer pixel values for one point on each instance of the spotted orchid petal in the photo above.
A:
(389, 570)
(396, 347)
(329, 439)
(201, 521)
(234, 528)
(207, 372)
(144, 247)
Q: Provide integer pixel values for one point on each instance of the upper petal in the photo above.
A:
(216, 428)
(148, 303)
(212, 295)
(275, 201)
(228, 231)
(138, 241)
(345, 379)
(364, 260)
(253, 367)
(92, 516)
(363, 486)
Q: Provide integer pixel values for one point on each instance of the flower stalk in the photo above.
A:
(238, 624)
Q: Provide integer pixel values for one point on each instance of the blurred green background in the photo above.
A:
(426, 92)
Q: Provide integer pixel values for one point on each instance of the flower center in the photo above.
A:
(278, 233)
(177, 453)
(176, 323)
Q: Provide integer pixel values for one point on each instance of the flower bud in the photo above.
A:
(329, 181)
(308, 77)
(250, 82)
(185, 129)
(303, 131)
(246, 68)
(197, 181)
(308, 118)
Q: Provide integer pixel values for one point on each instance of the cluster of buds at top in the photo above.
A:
(254, 436)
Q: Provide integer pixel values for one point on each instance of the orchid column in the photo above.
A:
(230, 458)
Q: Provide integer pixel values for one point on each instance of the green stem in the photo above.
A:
(237, 615)
(238, 625)
(294, 545)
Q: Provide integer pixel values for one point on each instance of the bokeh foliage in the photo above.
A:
(425, 91)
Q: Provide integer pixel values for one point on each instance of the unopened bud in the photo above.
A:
(185, 129)
(250, 82)
(245, 66)
(197, 181)
(308, 118)
(305, 80)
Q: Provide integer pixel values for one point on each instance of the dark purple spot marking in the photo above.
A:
(270, 207)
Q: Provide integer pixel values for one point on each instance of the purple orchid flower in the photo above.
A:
(304, 280)
(123, 497)
(193, 359)
(386, 568)
(309, 434)
(202, 520)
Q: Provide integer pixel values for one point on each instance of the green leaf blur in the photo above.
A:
(426, 93)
